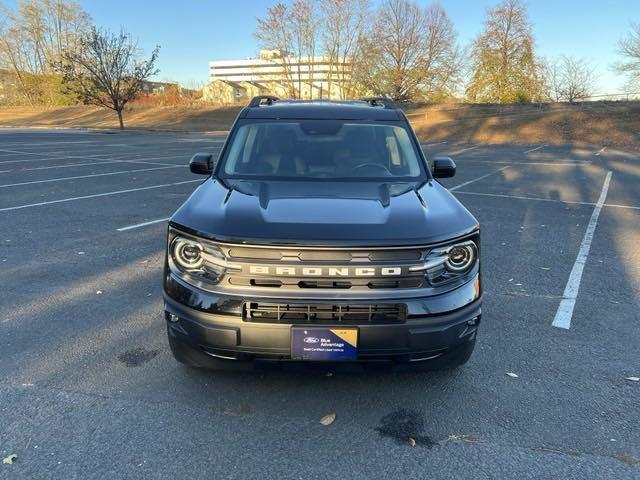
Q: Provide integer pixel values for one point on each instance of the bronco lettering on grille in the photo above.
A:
(325, 271)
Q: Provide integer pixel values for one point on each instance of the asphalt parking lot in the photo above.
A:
(89, 389)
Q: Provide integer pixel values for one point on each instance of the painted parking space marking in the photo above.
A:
(97, 195)
(93, 175)
(534, 149)
(453, 189)
(84, 157)
(84, 164)
(458, 152)
(524, 197)
(550, 200)
(144, 224)
(560, 163)
(568, 302)
(42, 144)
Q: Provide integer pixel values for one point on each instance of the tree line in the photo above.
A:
(56, 56)
(406, 52)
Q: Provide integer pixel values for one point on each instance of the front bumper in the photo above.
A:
(213, 325)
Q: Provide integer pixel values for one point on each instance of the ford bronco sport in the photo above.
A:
(321, 239)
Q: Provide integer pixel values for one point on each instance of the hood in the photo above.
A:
(319, 213)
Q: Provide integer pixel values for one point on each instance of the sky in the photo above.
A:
(193, 32)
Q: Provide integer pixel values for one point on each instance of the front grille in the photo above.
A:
(323, 314)
(257, 268)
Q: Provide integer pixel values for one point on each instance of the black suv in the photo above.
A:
(321, 240)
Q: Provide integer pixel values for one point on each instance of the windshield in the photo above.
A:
(322, 149)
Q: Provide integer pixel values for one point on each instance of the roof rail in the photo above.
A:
(257, 101)
(379, 102)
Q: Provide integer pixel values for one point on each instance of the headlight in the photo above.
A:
(461, 257)
(195, 260)
(449, 263)
(187, 254)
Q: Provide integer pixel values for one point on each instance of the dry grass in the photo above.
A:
(606, 124)
(157, 118)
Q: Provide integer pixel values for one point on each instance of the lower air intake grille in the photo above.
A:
(317, 313)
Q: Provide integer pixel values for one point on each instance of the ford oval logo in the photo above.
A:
(311, 340)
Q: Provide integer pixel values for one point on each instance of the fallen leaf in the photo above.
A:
(633, 379)
(412, 442)
(626, 458)
(80, 253)
(10, 459)
(99, 292)
(328, 419)
(464, 438)
(512, 375)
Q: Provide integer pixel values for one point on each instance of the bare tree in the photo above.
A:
(504, 66)
(629, 48)
(394, 68)
(343, 27)
(304, 28)
(413, 55)
(442, 56)
(274, 33)
(106, 70)
(576, 79)
(553, 79)
(32, 39)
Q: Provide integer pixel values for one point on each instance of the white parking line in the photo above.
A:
(84, 164)
(138, 225)
(96, 195)
(84, 157)
(433, 144)
(534, 149)
(601, 151)
(458, 152)
(62, 179)
(580, 163)
(27, 144)
(453, 189)
(47, 157)
(522, 197)
(552, 200)
(568, 302)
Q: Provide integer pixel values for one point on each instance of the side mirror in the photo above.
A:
(443, 167)
(201, 164)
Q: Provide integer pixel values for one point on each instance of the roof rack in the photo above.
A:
(379, 102)
(257, 101)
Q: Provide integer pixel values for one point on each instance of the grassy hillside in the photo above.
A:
(615, 124)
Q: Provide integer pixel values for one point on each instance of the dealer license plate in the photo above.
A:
(324, 344)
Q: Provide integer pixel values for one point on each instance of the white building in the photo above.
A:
(273, 73)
